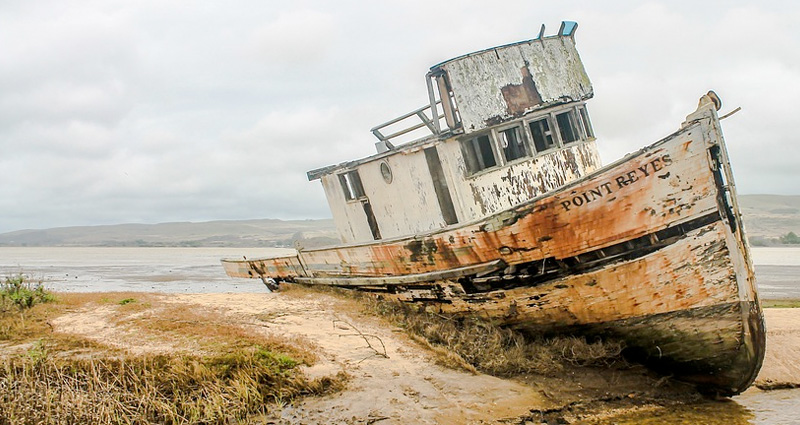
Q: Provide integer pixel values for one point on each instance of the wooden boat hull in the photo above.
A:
(649, 249)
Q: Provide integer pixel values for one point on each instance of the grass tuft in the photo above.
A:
(162, 389)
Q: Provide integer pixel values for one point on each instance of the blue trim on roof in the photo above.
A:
(567, 30)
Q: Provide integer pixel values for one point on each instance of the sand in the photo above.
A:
(395, 380)
(781, 367)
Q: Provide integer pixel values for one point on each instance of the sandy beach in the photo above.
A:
(781, 367)
(395, 379)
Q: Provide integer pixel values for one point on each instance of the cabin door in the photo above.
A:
(354, 190)
(440, 186)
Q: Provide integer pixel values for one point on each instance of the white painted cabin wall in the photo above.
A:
(406, 206)
(490, 87)
(409, 204)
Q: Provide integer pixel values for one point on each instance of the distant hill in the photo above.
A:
(769, 217)
(766, 217)
(242, 233)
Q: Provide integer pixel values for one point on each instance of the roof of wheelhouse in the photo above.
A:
(567, 29)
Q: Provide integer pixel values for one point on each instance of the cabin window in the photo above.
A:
(568, 127)
(478, 153)
(386, 172)
(587, 125)
(512, 143)
(542, 135)
(351, 185)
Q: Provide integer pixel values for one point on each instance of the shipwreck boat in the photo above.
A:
(503, 209)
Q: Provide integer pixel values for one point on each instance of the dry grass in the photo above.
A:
(498, 350)
(474, 343)
(222, 372)
(41, 388)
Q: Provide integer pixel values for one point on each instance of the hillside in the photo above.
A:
(770, 216)
(243, 233)
(766, 217)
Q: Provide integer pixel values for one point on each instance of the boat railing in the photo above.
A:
(419, 118)
(437, 117)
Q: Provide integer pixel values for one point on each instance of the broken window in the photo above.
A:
(587, 125)
(542, 135)
(478, 153)
(568, 127)
(351, 185)
(512, 143)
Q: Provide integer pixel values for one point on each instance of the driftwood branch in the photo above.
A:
(366, 338)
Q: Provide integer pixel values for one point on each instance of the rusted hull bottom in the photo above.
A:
(711, 347)
(680, 309)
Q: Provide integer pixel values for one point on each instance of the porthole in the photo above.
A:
(386, 172)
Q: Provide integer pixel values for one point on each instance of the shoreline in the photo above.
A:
(408, 384)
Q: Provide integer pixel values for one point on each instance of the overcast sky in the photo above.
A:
(155, 110)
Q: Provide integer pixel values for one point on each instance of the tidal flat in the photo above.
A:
(359, 366)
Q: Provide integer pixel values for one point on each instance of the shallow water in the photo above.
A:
(185, 270)
(198, 270)
(755, 407)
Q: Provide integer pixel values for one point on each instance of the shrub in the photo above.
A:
(790, 238)
(20, 292)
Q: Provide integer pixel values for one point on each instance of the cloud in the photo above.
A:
(155, 111)
(296, 38)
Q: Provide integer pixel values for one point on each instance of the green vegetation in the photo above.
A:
(783, 303)
(18, 292)
(790, 238)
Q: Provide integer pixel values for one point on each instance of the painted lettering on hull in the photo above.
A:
(619, 182)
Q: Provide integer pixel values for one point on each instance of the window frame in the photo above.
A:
(552, 130)
(527, 151)
(582, 126)
(474, 152)
(586, 127)
(352, 188)
(575, 125)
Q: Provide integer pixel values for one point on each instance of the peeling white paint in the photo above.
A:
(478, 80)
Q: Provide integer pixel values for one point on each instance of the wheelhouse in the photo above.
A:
(502, 126)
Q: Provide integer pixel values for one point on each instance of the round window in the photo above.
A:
(386, 172)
